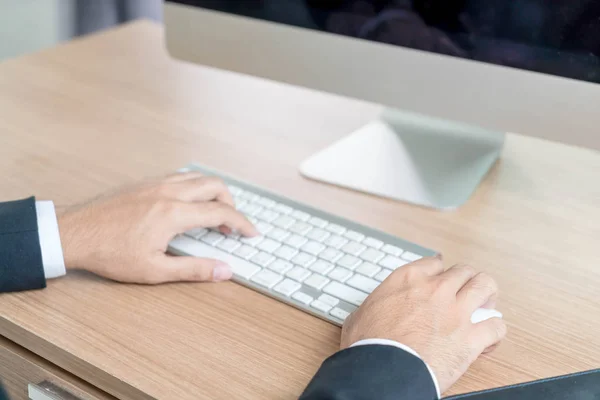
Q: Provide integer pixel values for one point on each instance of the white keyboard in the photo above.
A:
(308, 258)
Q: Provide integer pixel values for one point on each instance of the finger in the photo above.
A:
(457, 276)
(480, 291)
(491, 348)
(430, 266)
(214, 214)
(183, 176)
(486, 334)
(192, 269)
(203, 189)
(415, 271)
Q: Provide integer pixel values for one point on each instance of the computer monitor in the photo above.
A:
(454, 76)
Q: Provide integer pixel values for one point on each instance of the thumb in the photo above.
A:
(488, 334)
(195, 269)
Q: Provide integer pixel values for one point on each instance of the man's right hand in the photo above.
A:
(429, 310)
(124, 236)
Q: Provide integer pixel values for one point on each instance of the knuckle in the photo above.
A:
(467, 269)
(409, 272)
(499, 329)
(199, 273)
(164, 189)
(213, 181)
(163, 206)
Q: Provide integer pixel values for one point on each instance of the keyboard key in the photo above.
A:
(322, 267)
(313, 248)
(282, 209)
(372, 242)
(284, 222)
(355, 236)
(302, 298)
(265, 202)
(335, 241)
(340, 274)
(250, 209)
(239, 203)
(244, 270)
(300, 215)
(278, 234)
(372, 255)
(266, 278)
(353, 248)
(331, 255)
(197, 233)
(318, 222)
(280, 266)
(263, 259)
(298, 274)
(329, 300)
(287, 287)
(318, 234)
(392, 250)
(229, 245)
(319, 305)
(286, 252)
(212, 238)
(349, 262)
(249, 196)
(408, 256)
(316, 281)
(337, 229)
(252, 241)
(268, 245)
(301, 228)
(246, 252)
(368, 269)
(383, 274)
(363, 283)
(296, 241)
(303, 259)
(393, 263)
(263, 227)
(268, 215)
(191, 247)
(234, 190)
(346, 293)
(339, 313)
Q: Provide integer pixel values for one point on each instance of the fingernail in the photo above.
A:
(222, 272)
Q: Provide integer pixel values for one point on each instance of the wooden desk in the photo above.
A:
(111, 109)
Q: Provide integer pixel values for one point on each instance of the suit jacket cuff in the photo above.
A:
(387, 342)
(52, 254)
(370, 372)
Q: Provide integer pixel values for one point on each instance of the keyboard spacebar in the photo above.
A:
(345, 293)
(195, 248)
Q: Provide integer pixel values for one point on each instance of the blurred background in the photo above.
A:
(30, 25)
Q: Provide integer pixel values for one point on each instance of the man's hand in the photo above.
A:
(429, 310)
(124, 236)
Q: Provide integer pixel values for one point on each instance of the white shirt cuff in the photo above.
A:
(387, 342)
(52, 254)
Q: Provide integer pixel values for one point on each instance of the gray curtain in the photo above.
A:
(95, 15)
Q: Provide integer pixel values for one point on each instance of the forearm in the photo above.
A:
(372, 372)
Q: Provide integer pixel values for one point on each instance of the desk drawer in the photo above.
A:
(23, 372)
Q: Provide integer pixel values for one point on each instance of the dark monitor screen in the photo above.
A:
(558, 37)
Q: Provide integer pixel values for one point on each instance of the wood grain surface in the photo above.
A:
(114, 108)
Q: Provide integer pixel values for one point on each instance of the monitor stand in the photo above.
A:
(412, 158)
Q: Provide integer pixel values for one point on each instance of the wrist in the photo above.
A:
(71, 237)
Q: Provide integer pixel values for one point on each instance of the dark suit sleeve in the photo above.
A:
(373, 372)
(21, 266)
